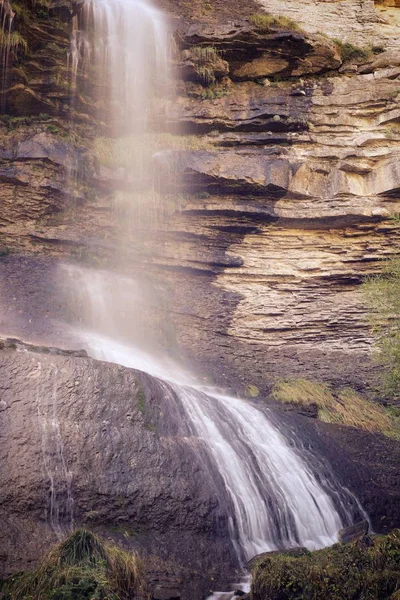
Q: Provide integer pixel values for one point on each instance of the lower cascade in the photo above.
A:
(278, 500)
(277, 497)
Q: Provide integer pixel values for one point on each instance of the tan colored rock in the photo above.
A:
(359, 22)
(261, 67)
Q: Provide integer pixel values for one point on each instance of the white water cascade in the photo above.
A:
(277, 498)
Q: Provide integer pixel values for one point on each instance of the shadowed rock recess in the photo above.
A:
(283, 139)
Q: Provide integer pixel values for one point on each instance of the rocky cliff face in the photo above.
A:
(94, 444)
(286, 144)
(288, 175)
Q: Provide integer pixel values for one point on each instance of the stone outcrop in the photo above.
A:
(288, 173)
(98, 445)
(285, 199)
(94, 444)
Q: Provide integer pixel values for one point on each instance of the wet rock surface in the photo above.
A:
(107, 447)
(89, 443)
(282, 208)
(354, 532)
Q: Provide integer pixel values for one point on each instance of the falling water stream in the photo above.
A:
(277, 497)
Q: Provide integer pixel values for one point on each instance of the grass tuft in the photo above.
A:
(206, 60)
(264, 22)
(343, 407)
(349, 52)
(83, 567)
(13, 40)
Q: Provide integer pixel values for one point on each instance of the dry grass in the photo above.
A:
(344, 407)
(82, 566)
(264, 22)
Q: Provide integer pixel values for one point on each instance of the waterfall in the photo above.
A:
(6, 43)
(54, 461)
(278, 500)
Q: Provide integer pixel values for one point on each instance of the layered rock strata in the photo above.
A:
(288, 174)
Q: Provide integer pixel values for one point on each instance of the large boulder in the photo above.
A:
(85, 442)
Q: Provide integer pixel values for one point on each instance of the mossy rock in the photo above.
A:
(368, 569)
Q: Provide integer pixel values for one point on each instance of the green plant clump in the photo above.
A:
(343, 407)
(53, 129)
(12, 122)
(206, 60)
(382, 293)
(13, 40)
(350, 52)
(141, 400)
(83, 567)
(264, 22)
(368, 569)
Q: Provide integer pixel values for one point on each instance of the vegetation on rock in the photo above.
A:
(383, 296)
(368, 569)
(349, 52)
(343, 407)
(264, 22)
(83, 567)
(207, 60)
(13, 40)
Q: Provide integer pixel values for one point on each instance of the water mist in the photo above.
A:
(277, 497)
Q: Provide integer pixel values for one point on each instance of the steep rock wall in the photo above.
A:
(288, 173)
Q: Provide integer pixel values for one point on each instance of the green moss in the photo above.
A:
(12, 122)
(252, 391)
(213, 92)
(143, 409)
(141, 400)
(368, 569)
(349, 52)
(82, 567)
(264, 22)
(4, 251)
